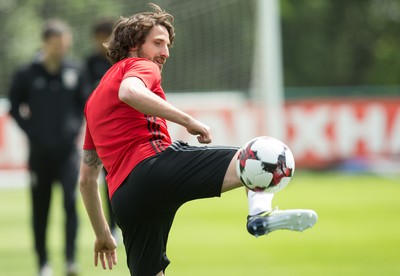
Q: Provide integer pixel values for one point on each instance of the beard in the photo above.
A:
(141, 54)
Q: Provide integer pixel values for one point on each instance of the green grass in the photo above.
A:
(358, 233)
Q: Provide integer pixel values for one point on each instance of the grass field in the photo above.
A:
(358, 233)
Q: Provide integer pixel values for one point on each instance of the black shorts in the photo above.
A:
(145, 204)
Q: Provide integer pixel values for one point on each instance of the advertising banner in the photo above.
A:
(319, 132)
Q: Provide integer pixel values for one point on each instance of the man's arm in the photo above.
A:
(18, 100)
(134, 93)
(105, 244)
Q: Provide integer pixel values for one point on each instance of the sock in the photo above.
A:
(259, 202)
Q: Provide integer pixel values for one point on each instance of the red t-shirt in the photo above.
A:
(121, 135)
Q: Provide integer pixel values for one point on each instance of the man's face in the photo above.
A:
(57, 46)
(156, 46)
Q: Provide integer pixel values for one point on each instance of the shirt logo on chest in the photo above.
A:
(70, 78)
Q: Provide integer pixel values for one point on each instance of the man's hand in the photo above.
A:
(105, 250)
(202, 131)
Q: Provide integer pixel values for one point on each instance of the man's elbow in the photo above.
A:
(86, 183)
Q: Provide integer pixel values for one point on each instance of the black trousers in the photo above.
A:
(107, 202)
(146, 203)
(48, 168)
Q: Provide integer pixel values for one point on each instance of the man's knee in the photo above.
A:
(231, 179)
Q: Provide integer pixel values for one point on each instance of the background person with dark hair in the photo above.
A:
(97, 63)
(47, 96)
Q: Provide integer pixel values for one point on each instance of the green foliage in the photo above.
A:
(330, 43)
(356, 234)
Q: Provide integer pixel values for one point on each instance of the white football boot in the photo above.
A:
(295, 220)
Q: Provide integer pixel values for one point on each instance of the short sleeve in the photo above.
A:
(145, 70)
(88, 141)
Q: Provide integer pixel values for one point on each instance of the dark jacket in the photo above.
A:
(56, 103)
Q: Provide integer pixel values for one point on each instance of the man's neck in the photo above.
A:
(51, 65)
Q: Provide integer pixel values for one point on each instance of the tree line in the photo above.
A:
(325, 42)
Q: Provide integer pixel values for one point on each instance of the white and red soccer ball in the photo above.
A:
(265, 164)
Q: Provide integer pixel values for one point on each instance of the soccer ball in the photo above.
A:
(265, 164)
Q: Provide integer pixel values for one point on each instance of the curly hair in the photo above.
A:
(132, 32)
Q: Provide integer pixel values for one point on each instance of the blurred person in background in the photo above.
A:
(97, 65)
(47, 97)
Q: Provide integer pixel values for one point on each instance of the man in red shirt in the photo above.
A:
(149, 176)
